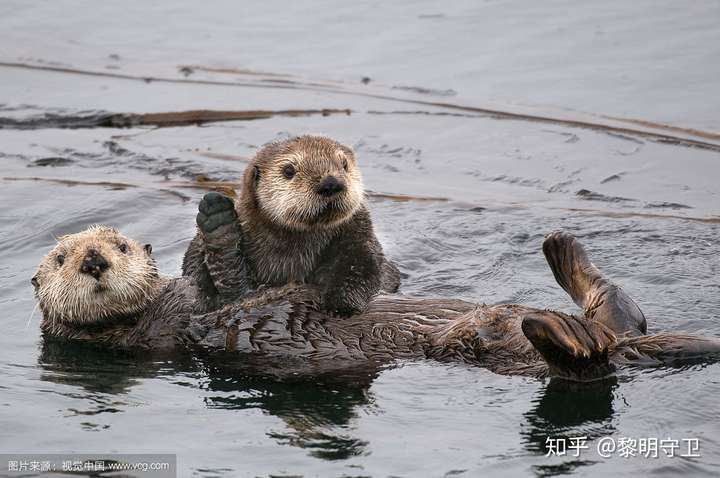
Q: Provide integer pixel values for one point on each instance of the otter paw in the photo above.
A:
(216, 210)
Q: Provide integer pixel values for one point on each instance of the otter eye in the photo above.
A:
(35, 282)
(60, 259)
(289, 171)
(345, 164)
(123, 248)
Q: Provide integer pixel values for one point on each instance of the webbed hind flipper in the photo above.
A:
(575, 349)
(601, 299)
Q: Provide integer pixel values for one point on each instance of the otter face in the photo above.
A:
(95, 275)
(306, 183)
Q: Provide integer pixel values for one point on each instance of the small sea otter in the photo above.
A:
(303, 219)
(101, 286)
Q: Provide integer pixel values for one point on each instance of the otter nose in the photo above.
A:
(329, 186)
(94, 264)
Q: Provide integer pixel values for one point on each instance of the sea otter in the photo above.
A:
(101, 286)
(304, 219)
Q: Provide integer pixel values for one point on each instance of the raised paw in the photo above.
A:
(215, 210)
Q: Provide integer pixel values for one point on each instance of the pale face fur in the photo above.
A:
(287, 176)
(67, 294)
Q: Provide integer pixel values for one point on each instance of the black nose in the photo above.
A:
(94, 264)
(330, 186)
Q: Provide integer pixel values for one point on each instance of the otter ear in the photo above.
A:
(348, 151)
(148, 249)
(256, 173)
(35, 282)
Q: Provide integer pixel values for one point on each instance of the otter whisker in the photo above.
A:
(27, 325)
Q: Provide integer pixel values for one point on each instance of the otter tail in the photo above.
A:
(666, 349)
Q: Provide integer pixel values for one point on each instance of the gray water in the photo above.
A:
(461, 200)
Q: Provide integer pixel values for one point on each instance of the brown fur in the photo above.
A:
(293, 234)
(67, 295)
(270, 199)
(282, 220)
(289, 322)
(285, 320)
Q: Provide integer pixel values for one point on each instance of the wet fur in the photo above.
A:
(291, 234)
(67, 295)
(289, 322)
(284, 321)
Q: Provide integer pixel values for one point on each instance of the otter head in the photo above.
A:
(307, 182)
(95, 275)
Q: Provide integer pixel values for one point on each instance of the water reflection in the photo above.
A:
(317, 404)
(93, 367)
(565, 410)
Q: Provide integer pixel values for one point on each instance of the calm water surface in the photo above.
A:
(460, 201)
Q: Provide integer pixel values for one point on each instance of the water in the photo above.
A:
(479, 192)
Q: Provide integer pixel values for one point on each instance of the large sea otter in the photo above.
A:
(100, 286)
